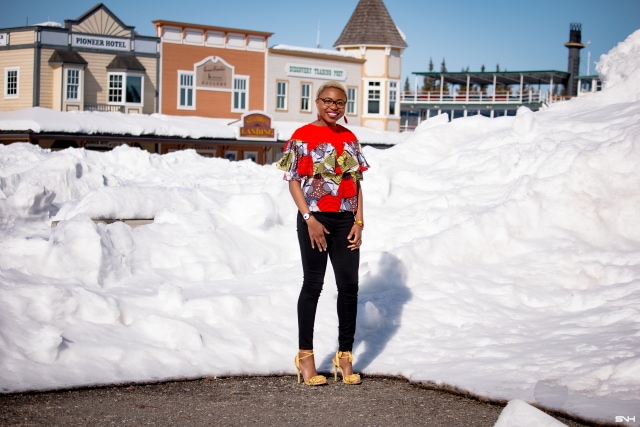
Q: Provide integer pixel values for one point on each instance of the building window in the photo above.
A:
(115, 88)
(11, 82)
(72, 90)
(251, 155)
(305, 97)
(240, 85)
(351, 100)
(134, 89)
(281, 96)
(185, 90)
(393, 97)
(373, 98)
(125, 89)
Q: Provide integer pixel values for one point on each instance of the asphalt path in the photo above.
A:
(253, 401)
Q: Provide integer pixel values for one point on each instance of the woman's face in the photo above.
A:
(331, 104)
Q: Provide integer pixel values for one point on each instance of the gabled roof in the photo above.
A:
(100, 6)
(370, 24)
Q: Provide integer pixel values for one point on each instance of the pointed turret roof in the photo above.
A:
(370, 24)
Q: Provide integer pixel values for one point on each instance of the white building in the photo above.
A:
(295, 74)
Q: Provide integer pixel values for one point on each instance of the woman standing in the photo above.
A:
(323, 164)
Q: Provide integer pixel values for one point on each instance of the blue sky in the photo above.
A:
(514, 34)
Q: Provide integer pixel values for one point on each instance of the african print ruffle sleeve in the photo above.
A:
(352, 160)
(296, 162)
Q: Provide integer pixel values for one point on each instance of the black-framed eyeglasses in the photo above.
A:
(328, 102)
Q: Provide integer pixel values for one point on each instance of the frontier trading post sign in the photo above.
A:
(316, 72)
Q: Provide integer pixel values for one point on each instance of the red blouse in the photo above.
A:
(328, 161)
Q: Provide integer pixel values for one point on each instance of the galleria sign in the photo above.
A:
(214, 73)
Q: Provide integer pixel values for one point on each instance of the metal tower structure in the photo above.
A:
(574, 45)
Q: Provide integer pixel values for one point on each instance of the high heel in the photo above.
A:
(351, 379)
(313, 381)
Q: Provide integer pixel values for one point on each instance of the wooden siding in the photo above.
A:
(57, 88)
(17, 38)
(150, 84)
(96, 83)
(209, 103)
(96, 80)
(22, 58)
(47, 88)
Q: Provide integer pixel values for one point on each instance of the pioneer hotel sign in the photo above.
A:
(96, 42)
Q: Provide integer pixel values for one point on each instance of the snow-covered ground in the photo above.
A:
(501, 256)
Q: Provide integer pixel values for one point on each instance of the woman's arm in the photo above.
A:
(316, 229)
(355, 235)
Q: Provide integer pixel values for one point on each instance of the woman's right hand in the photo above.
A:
(316, 234)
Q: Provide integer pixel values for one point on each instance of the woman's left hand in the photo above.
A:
(355, 237)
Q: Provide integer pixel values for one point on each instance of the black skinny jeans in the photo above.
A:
(345, 264)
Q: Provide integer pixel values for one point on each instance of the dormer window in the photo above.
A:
(126, 86)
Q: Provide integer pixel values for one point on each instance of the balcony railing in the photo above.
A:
(421, 97)
(104, 108)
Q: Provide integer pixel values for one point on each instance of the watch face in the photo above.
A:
(306, 216)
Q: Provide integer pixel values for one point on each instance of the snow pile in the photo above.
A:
(501, 256)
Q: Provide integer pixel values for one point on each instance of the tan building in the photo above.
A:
(95, 62)
(371, 35)
(211, 71)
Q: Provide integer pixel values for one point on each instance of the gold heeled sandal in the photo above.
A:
(313, 381)
(351, 379)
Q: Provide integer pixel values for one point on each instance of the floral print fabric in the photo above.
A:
(328, 164)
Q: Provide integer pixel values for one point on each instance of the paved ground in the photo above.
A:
(252, 401)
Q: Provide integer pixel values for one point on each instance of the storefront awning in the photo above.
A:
(66, 57)
(125, 63)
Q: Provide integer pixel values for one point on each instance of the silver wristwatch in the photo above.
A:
(306, 216)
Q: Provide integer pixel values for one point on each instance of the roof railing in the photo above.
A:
(472, 97)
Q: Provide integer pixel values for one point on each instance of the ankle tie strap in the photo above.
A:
(345, 355)
(306, 354)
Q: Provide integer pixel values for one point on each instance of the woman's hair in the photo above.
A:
(332, 84)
